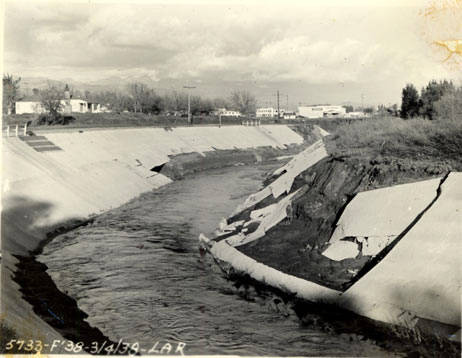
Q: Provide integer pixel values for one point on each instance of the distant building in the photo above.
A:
(290, 115)
(321, 111)
(68, 105)
(22, 107)
(355, 115)
(227, 113)
(268, 112)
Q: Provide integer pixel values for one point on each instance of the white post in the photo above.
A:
(189, 107)
(25, 129)
(189, 102)
(17, 130)
(7, 131)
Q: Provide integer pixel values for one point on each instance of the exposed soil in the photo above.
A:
(329, 187)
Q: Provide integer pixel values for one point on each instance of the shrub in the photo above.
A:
(437, 140)
(54, 119)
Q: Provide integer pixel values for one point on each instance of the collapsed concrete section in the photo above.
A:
(419, 280)
(286, 175)
(373, 219)
(390, 254)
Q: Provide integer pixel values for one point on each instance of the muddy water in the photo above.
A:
(137, 272)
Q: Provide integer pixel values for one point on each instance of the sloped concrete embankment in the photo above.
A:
(365, 236)
(73, 175)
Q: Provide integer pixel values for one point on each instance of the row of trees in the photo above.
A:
(436, 100)
(138, 97)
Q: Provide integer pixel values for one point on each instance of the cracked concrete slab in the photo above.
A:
(421, 274)
(378, 216)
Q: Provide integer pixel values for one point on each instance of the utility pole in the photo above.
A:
(278, 103)
(189, 102)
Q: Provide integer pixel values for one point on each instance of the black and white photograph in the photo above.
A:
(231, 178)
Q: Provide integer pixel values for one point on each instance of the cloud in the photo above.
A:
(268, 44)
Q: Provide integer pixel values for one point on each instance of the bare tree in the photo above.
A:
(10, 93)
(51, 100)
(243, 101)
(138, 92)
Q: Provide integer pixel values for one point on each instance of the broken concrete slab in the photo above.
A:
(342, 250)
(267, 218)
(298, 164)
(283, 184)
(377, 216)
(421, 275)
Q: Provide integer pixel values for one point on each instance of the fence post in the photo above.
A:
(25, 129)
(7, 131)
(17, 130)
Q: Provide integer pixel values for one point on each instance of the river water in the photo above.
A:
(138, 274)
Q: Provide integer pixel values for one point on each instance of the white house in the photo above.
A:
(227, 113)
(67, 106)
(74, 105)
(267, 112)
(321, 111)
(97, 108)
(23, 107)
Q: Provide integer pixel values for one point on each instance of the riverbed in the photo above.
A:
(138, 274)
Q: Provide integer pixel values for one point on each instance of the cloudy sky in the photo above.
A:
(311, 53)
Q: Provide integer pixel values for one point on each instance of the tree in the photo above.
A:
(150, 102)
(432, 94)
(51, 101)
(348, 108)
(220, 103)
(10, 93)
(368, 110)
(201, 105)
(449, 106)
(409, 102)
(137, 92)
(175, 101)
(243, 101)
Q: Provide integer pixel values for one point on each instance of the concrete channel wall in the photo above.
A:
(77, 173)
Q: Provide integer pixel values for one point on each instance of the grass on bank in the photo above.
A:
(413, 139)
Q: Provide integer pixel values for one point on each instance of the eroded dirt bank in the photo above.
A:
(327, 187)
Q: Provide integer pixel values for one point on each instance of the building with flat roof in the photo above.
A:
(268, 112)
(321, 111)
(227, 113)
